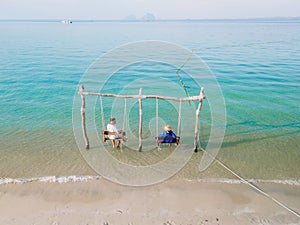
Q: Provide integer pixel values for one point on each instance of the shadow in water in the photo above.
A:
(285, 130)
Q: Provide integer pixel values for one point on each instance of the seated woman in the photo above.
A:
(168, 136)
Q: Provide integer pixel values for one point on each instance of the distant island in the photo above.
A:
(146, 17)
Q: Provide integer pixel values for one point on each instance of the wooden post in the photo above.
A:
(86, 140)
(197, 119)
(141, 119)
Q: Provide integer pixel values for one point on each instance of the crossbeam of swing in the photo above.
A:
(191, 98)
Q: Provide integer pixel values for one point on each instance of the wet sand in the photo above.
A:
(172, 202)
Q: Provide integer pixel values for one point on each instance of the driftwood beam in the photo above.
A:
(191, 98)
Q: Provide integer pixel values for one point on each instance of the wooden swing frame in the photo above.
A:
(140, 97)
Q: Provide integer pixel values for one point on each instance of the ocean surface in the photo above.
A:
(256, 64)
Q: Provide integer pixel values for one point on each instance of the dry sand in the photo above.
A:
(171, 203)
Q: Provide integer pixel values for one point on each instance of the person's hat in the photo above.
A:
(168, 128)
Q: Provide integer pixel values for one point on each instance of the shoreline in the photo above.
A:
(87, 178)
(172, 202)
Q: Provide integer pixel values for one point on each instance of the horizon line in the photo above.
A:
(145, 20)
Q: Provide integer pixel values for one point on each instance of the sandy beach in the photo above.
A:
(172, 202)
(249, 121)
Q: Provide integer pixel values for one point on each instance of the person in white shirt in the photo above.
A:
(113, 128)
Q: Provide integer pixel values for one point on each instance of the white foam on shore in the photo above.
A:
(49, 179)
(254, 181)
(67, 179)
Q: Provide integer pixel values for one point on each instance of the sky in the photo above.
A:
(162, 9)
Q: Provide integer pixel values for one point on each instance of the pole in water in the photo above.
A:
(141, 119)
(82, 110)
(197, 119)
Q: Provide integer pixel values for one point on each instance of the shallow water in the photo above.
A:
(255, 64)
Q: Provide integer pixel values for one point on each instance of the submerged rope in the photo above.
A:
(218, 47)
(226, 167)
(254, 186)
(179, 76)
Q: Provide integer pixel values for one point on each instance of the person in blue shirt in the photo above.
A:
(168, 136)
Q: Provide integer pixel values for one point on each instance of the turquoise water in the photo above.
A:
(256, 65)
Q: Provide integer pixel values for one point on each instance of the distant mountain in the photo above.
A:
(130, 17)
(146, 17)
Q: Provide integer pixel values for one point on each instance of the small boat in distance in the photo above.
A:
(66, 21)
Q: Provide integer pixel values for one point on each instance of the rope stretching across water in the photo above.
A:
(217, 160)
(254, 186)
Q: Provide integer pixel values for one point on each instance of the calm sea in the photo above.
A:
(256, 64)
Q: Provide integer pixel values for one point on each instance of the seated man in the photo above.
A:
(168, 136)
(111, 127)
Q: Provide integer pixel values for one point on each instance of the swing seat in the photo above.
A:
(167, 140)
(118, 136)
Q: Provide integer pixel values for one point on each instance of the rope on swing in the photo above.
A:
(102, 113)
(124, 122)
(156, 117)
(125, 115)
(179, 117)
